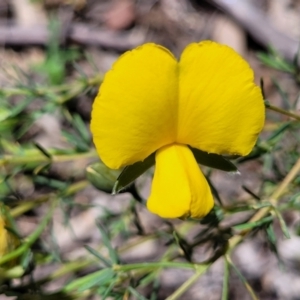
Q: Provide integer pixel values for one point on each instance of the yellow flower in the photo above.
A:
(150, 102)
(8, 241)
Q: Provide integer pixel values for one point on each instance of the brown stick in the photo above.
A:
(258, 25)
(78, 33)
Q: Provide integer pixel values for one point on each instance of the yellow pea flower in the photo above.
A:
(150, 102)
(8, 241)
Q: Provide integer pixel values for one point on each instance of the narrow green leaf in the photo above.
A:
(106, 241)
(278, 132)
(27, 123)
(97, 278)
(251, 225)
(26, 258)
(225, 289)
(98, 255)
(271, 234)
(150, 277)
(41, 167)
(244, 281)
(81, 127)
(13, 228)
(4, 113)
(107, 291)
(213, 161)
(80, 144)
(155, 289)
(271, 237)
(283, 94)
(130, 173)
(103, 277)
(16, 110)
(282, 223)
(294, 199)
(53, 183)
(274, 61)
(268, 61)
(79, 69)
(136, 294)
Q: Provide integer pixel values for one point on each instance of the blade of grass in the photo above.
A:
(243, 279)
(98, 255)
(225, 280)
(106, 241)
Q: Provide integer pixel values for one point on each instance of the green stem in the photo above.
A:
(76, 187)
(225, 279)
(283, 111)
(243, 279)
(154, 265)
(273, 199)
(27, 205)
(65, 269)
(78, 265)
(38, 157)
(200, 270)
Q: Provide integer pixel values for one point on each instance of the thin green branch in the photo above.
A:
(200, 270)
(28, 205)
(282, 111)
(225, 279)
(273, 199)
(243, 279)
(38, 157)
(154, 265)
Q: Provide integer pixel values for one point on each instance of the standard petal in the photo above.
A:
(135, 112)
(179, 189)
(221, 110)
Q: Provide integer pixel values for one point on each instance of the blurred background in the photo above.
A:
(53, 56)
